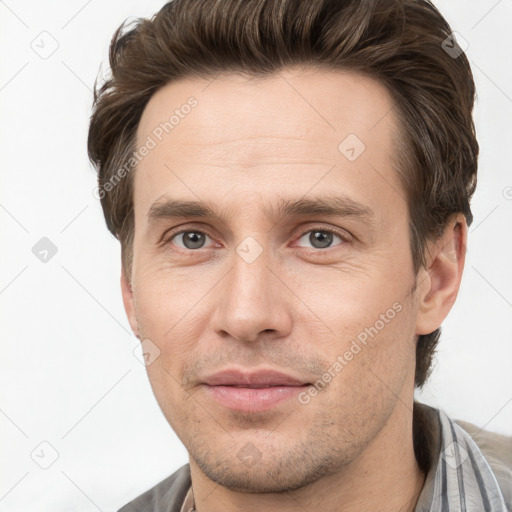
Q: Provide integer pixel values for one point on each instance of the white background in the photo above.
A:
(68, 373)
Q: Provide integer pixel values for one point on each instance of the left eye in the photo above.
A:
(190, 239)
(320, 238)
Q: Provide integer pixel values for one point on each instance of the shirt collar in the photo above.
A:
(459, 478)
(188, 502)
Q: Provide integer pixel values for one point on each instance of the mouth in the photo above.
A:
(252, 392)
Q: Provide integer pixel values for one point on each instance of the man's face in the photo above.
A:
(256, 289)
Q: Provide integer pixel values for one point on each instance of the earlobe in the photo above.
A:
(129, 306)
(445, 265)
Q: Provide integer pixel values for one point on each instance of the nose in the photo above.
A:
(252, 303)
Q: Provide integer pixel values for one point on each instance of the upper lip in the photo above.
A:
(252, 379)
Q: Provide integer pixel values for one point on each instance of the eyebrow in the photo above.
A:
(333, 206)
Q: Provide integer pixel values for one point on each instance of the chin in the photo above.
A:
(272, 473)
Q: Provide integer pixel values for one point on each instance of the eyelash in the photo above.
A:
(344, 237)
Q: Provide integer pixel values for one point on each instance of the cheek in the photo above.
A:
(379, 357)
(176, 405)
(168, 299)
(170, 322)
(370, 347)
(350, 303)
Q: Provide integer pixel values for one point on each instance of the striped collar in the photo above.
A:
(459, 479)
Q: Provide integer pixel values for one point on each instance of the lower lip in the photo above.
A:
(253, 399)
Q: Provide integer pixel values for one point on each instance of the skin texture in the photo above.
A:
(298, 306)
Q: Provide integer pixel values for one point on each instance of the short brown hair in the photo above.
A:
(404, 44)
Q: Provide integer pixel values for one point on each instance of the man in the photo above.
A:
(290, 183)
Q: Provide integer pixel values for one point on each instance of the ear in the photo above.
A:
(439, 282)
(129, 307)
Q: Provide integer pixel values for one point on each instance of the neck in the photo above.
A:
(385, 477)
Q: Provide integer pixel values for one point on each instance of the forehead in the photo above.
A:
(246, 134)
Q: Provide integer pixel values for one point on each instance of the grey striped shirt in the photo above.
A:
(470, 471)
(461, 480)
